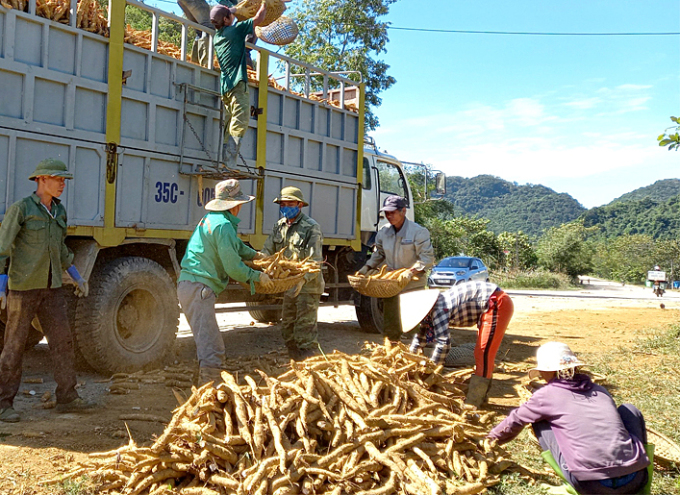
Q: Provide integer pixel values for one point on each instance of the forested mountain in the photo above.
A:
(658, 219)
(511, 207)
(661, 190)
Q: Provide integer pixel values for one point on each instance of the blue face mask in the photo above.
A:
(289, 212)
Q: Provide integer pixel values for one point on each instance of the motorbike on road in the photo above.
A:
(659, 288)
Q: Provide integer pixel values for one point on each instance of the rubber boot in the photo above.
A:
(230, 151)
(293, 351)
(206, 374)
(477, 390)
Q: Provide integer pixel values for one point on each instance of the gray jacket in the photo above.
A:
(410, 247)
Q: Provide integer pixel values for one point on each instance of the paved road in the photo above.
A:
(598, 288)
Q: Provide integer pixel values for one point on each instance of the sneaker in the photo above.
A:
(9, 415)
(76, 405)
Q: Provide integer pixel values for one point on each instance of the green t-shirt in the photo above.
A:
(230, 48)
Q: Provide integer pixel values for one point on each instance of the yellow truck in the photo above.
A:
(141, 131)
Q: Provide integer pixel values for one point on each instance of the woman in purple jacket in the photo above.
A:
(599, 448)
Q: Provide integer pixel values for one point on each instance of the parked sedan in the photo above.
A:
(457, 269)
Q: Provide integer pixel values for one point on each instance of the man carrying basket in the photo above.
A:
(230, 48)
(300, 236)
(214, 254)
(401, 244)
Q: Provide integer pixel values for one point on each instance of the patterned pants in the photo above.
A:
(299, 320)
(50, 307)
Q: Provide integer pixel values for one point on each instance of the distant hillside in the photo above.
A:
(661, 190)
(511, 207)
(659, 219)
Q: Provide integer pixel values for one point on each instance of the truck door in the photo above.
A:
(369, 196)
(391, 180)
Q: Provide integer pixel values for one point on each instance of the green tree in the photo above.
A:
(337, 35)
(625, 258)
(670, 138)
(517, 253)
(564, 249)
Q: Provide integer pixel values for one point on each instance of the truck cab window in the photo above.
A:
(392, 180)
(367, 174)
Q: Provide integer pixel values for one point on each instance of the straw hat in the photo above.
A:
(291, 193)
(228, 195)
(51, 167)
(414, 307)
(554, 356)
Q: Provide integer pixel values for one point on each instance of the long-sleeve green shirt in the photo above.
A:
(33, 240)
(304, 238)
(215, 253)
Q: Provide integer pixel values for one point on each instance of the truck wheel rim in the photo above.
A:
(138, 320)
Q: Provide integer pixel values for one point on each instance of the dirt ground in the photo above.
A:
(44, 443)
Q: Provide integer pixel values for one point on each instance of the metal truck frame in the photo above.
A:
(142, 132)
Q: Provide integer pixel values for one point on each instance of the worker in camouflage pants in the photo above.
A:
(301, 236)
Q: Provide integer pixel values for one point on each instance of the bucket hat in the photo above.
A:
(554, 356)
(228, 195)
(51, 167)
(414, 306)
(291, 193)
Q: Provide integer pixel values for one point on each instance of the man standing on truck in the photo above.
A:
(32, 236)
(300, 236)
(230, 48)
(213, 256)
(401, 244)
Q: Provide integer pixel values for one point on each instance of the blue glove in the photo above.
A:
(3, 291)
(82, 289)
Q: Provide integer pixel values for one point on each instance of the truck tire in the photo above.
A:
(370, 314)
(263, 315)
(129, 321)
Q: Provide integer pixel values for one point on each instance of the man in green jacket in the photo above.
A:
(32, 237)
(213, 256)
(301, 236)
(230, 48)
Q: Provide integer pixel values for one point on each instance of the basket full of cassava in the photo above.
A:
(379, 283)
(285, 273)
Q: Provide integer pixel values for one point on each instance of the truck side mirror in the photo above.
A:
(440, 183)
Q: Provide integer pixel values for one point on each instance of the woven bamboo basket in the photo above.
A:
(462, 355)
(280, 284)
(280, 32)
(376, 287)
(666, 451)
(248, 8)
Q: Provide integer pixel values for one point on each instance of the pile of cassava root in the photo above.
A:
(387, 422)
(277, 266)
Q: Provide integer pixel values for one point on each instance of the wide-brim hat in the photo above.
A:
(414, 307)
(554, 356)
(51, 167)
(291, 193)
(227, 196)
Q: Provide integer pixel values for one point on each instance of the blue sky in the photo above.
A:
(579, 114)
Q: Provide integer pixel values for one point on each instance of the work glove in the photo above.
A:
(406, 276)
(259, 255)
(3, 291)
(265, 280)
(363, 270)
(82, 288)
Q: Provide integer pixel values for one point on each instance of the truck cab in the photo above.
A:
(383, 175)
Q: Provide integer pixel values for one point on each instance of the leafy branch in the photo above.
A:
(670, 138)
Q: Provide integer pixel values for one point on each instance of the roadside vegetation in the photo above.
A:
(644, 374)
